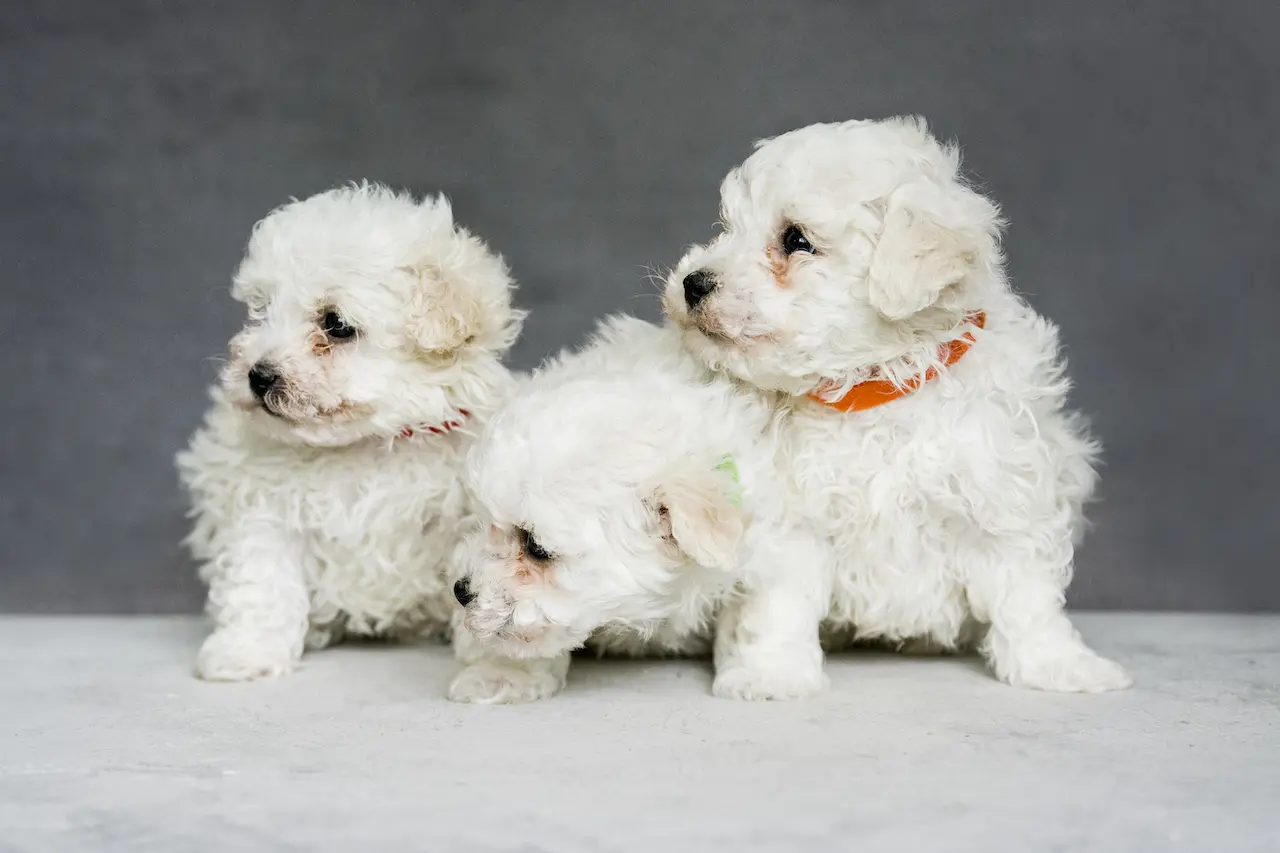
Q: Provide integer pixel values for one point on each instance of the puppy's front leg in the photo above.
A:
(259, 602)
(487, 678)
(767, 638)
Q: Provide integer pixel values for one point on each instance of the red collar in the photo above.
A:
(438, 429)
(877, 392)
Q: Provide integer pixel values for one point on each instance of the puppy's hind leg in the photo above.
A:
(259, 602)
(490, 679)
(1030, 642)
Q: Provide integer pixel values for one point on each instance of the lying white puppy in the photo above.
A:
(859, 282)
(326, 480)
(629, 502)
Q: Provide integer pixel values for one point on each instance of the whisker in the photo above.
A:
(656, 275)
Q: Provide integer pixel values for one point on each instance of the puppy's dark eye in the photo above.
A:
(532, 548)
(336, 327)
(793, 240)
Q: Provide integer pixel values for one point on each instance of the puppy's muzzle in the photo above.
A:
(698, 285)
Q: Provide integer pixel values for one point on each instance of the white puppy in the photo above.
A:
(858, 282)
(326, 478)
(628, 501)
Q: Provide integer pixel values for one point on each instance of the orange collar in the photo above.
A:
(877, 392)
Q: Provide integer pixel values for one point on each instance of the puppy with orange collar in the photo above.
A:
(858, 282)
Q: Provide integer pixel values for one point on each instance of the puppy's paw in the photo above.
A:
(756, 684)
(244, 656)
(506, 682)
(1078, 670)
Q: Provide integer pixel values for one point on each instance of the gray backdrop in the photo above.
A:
(1133, 145)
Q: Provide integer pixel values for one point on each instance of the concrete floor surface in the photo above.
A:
(110, 744)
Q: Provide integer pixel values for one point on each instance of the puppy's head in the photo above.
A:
(368, 312)
(597, 506)
(844, 246)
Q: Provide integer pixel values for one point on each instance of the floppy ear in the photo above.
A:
(700, 510)
(935, 236)
(462, 291)
(445, 314)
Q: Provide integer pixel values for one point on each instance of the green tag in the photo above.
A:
(728, 466)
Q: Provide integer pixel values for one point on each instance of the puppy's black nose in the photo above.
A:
(262, 378)
(697, 285)
(462, 592)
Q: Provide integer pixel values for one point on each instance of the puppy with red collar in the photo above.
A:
(858, 284)
(326, 477)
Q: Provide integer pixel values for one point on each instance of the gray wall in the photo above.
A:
(1134, 147)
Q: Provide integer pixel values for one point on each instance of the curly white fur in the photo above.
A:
(946, 517)
(315, 516)
(654, 487)
(951, 514)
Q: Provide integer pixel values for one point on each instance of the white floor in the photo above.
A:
(108, 743)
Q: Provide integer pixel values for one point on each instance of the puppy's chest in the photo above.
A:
(357, 497)
(882, 492)
(856, 468)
